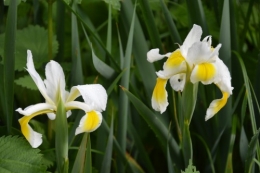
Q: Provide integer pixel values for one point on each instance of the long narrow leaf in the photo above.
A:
(8, 62)
(156, 125)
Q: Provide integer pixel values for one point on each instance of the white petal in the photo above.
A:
(77, 105)
(224, 78)
(160, 96)
(216, 105)
(68, 113)
(94, 95)
(193, 36)
(51, 116)
(178, 81)
(89, 122)
(36, 77)
(153, 55)
(208, 40)
(201, 52)
(55, 80)
(33, 137)
(39, 108)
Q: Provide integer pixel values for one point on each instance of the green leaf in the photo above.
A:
(106, 164)
(76, 71)
(7, 2)
(251, 153)
(88, 159)
(26, 82)
(17, 156)
(190, 168)
(156, 125)
(61, 137)
(114, 3)
(104, 69)
(34, 38)
(7, 75)
(80, 158)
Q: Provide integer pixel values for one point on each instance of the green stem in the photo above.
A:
(61, 138)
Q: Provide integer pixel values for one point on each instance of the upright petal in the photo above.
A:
(94, 95)
(159, 98)
(36, 77)
(90, 122)
(55, 80)
(201, 52)
(153, 55)
(34, 138)
(193, 36)
(178, 81)
(216, 105)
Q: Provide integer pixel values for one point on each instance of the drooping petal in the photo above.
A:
(89, 122)
(33, 137)
(159, 98)
(40, 108)
(224, 78)
(36, 77)
(51, 116)
(178, 81)
(77, 105)
(153, 55)
(55, 81)
(94, 95)
(193, 36)
(204, 72)
(216, 105)
(174, 64)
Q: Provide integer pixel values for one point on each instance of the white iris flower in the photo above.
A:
(195, 61)
(53, 89)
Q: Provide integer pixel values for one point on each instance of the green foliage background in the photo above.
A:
(106, 41)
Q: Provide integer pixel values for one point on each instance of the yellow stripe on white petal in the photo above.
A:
(175, 64)
(216, 105)
(33, 137)
(153, 55)
(204, 72)
(159, 98)
(90, 122)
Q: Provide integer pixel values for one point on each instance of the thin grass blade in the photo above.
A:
(8, 64)
(106, 164)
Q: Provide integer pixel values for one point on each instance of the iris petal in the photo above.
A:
(174, 64)
(36, 77)
(159, 98)
(153, 55)
(216, 105)
(90, 122)
(204, 72)
(178, 81)
(34, 138)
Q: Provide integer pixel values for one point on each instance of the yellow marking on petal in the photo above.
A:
(159, 92)
(92, 121)
(175, 59)
(221, 102)
(205, 71)
(24, 126)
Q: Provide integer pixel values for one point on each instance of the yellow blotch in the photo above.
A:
(205, 71)
(24, 125)
(175, 59)
(221, 102)
(92, 121)
(159, 92)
